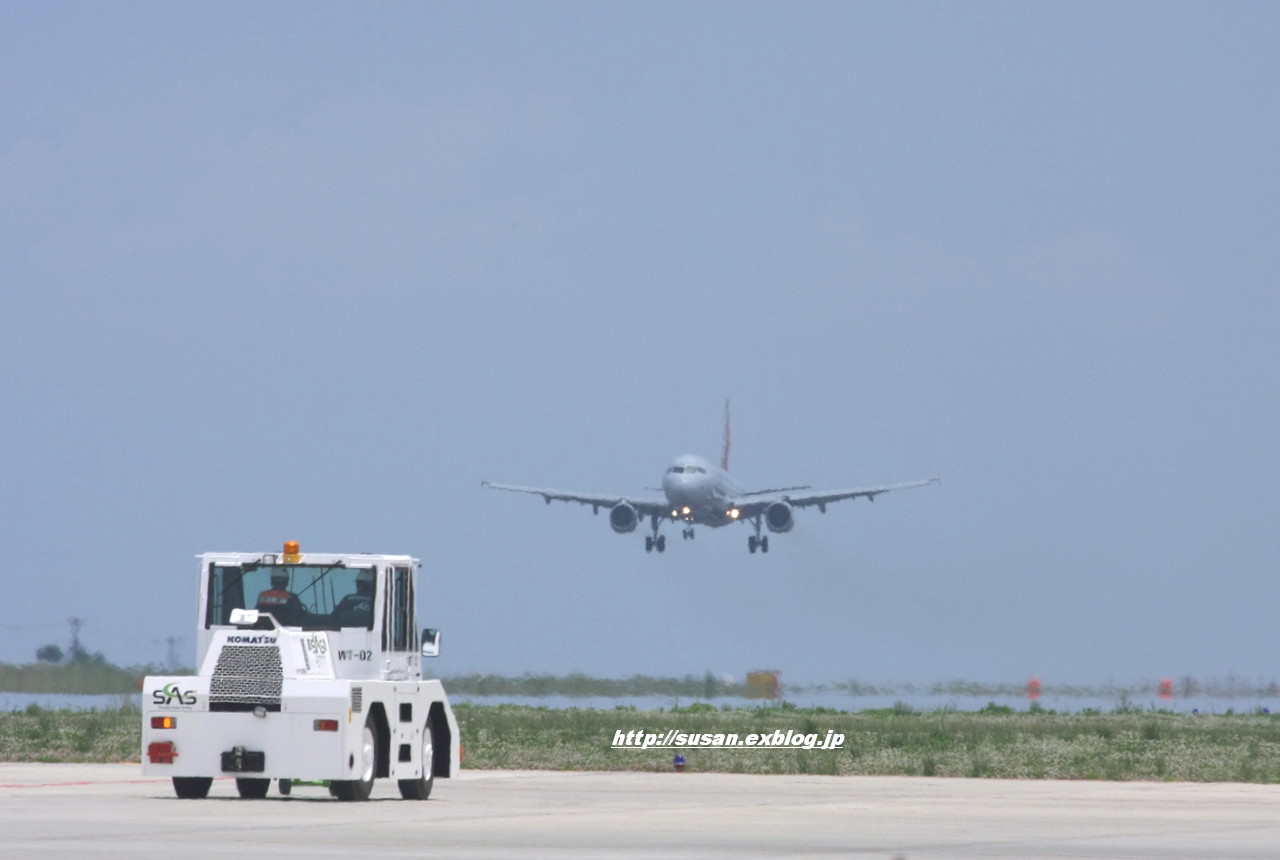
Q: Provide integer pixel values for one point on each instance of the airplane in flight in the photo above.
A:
(697, 493)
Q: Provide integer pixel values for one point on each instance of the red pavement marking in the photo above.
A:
(86, 782)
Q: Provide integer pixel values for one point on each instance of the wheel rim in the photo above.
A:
(367, 752)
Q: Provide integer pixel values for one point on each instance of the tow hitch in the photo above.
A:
(241, 760)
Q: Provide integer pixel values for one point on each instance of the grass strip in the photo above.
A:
(995, 742)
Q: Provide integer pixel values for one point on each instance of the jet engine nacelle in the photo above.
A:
(623, 518)
(778, 517)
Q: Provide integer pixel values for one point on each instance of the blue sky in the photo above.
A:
(312, 271)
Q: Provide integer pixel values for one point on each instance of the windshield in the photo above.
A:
(313, 597)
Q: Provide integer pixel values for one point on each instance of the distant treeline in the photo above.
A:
(84, 678)
(1181, 688)
(707, 686)
(710, 686)
(95, 677)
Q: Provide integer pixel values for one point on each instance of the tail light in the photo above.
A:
(162, 752)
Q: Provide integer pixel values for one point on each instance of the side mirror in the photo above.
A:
(430, 642)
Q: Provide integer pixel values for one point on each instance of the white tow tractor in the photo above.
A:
(309, 673)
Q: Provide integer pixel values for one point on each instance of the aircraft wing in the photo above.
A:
(644, 506)
(775, 490)
(755, 504)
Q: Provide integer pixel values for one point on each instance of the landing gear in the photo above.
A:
(655, 541)
(757, 541)
(687, 534)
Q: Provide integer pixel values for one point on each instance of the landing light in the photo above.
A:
(685, 510)
(733, 513)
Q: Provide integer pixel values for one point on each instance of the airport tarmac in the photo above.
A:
(111, 811)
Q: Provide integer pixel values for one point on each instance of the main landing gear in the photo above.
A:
(756, 541)
(687, 534)
(655, 541)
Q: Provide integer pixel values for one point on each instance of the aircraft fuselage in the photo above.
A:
(699, 492)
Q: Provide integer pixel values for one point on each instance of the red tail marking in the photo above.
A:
(724, 453)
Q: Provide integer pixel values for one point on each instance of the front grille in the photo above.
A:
(246, 675)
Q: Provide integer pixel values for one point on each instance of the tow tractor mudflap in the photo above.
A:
(241, 760)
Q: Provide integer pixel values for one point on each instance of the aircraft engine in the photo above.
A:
(623, 518)
(778, 517)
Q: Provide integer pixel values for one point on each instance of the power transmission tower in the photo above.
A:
(76, 653)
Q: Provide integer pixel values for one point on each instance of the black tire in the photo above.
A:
(360, 789)
(192, 787)
(420, 789)
(252, 789)
(286, 786)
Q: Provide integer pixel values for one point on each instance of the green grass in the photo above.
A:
(992, 743)
(894, 741)
(39, 734)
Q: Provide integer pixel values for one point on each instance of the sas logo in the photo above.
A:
(171, 694)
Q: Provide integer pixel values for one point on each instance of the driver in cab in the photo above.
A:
(280, 601)
(356, 610)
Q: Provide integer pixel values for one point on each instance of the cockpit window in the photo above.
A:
(676, 470)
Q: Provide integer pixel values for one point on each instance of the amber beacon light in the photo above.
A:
(291, 553)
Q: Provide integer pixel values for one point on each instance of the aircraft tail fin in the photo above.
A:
(724, 451)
